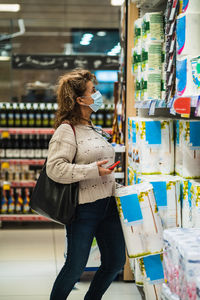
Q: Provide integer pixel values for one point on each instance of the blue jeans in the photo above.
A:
(98, 219)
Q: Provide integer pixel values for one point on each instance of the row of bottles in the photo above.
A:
(27, 114)
(41, 115)
(26, 146)
(15, 200)
(19, 171)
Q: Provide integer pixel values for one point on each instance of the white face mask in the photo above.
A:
(98, 101)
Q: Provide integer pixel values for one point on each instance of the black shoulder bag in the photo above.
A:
(54, 200)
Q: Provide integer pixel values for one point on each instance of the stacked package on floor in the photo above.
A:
(188, 49)
(181, 262)
(140, 221)
(167, 194)
(190, 203)
(147, 56)
(187, 148)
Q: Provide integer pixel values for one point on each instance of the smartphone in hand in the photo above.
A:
(111, 167)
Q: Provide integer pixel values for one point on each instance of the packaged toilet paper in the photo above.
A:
(186, 203)
(152, 291)
(137, 60)
(166, 294)
(187, 31)
(140, 221)
(188, 148)
(167, 194)
(152, 27)
(151, 56)
(189, 6)
(187, 76)
(151, 85)
(181, 261)
(195, 195)
(138, 32)
(138, 84)
(156, 146)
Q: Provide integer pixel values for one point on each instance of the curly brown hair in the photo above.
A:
(70, 86)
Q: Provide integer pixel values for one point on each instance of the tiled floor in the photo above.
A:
(30, 257)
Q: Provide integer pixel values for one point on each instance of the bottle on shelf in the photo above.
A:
(4, 202)
(16, 147)
(45, 115)
(3, 115)
(45, 145)
(10, 114)
(38, 115)
(31, 115)
(23, 146)
(24, 115)
(11, 201)
(26, 201)
(19, 201)
(17, 118)
(9, 150)
(38, 147)
(30, 146)
(51, 114)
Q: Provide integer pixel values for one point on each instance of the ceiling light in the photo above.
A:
(4, 58)
(101, 33)
(117, 2)
(9, 7)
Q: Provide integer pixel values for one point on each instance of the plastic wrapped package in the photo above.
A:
(152, 291)
(167, 194)
(187, 31)
(150, 85)
(152, 27)
(140, 221)
(166, 294)
(195, 195)
(151, 56)
(188, 149)
(156, 147)
(181, 261)
(138, 32)
(187, 76)
(189, 6)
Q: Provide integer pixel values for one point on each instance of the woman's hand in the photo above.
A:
(103, 171)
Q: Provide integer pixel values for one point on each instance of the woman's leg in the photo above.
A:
(80, 235)
(111, 243)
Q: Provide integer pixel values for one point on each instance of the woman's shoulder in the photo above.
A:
(64, 133)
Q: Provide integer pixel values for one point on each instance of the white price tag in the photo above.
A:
(152, 108)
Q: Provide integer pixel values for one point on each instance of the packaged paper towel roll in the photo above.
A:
(189, 6)
(151, 85)
(187, 31)
(195, 195)
(151, 56)
(138, 31)
(186, 203)
(137, 62)
(188, 149)
(167, 194)
(152, 291)
(152, 27)
(187, 80)
(139, 218)
(156, 146)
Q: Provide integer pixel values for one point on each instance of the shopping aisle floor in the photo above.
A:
(30, 257)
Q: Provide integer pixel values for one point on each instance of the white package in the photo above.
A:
(156, 146)
(152, 27)
(187, 31)
(187, 79)
(190, 6)
(188, 149)
(145, 236)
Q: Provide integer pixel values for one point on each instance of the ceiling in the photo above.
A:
(49, 17)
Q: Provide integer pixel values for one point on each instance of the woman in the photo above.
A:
(96, 214)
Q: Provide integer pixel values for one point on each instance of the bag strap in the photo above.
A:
(66, 122)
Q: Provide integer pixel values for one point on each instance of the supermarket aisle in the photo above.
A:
(30, 257)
